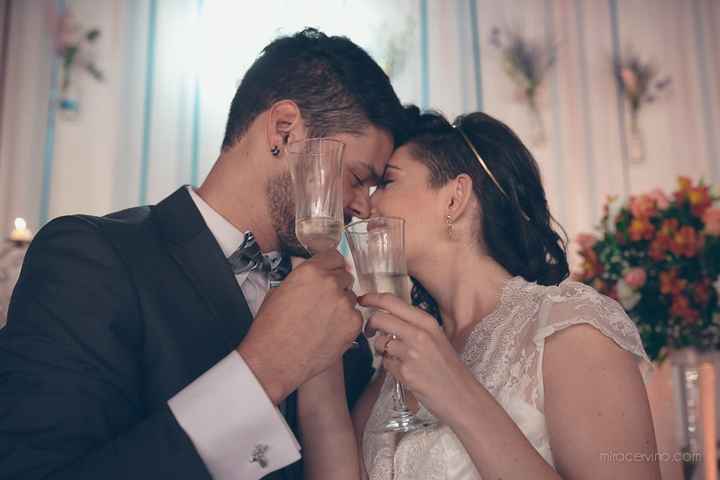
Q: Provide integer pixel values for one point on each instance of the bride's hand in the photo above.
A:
(421, 357)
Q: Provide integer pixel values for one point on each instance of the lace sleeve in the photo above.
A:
(573, 303)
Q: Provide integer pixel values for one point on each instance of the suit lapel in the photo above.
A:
(198, 254)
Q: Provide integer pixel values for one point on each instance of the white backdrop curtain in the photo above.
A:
(172, 66)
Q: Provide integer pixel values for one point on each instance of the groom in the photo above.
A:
(142, 345)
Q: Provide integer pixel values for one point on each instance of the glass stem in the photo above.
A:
(400, 398)
(399, 395)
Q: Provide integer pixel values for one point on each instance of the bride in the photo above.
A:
(528, 374)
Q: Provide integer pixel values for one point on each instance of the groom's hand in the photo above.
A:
(304, 326)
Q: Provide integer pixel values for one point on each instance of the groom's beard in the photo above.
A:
(280, 198)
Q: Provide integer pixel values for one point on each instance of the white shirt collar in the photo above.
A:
(227, 235)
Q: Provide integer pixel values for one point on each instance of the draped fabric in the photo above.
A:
(172, 66)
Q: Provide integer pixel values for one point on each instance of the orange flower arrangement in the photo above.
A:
(659, 256)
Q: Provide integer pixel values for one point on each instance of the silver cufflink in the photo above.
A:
(258, 455)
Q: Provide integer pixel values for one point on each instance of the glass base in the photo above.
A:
(406, 422)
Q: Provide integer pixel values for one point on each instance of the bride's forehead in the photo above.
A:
(406, 158)
(403, 153)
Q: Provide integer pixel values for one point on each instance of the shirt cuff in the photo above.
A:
(231, 421)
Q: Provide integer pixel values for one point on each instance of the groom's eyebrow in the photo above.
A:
(372, 175)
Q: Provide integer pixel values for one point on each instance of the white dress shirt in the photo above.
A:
(225, 412)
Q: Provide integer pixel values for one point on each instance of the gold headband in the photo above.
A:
(485, 167)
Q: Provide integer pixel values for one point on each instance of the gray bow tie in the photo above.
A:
(249, 258)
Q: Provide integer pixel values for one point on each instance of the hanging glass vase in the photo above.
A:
(686, 393)
(69, 98)
(636, 142)
(537, 127)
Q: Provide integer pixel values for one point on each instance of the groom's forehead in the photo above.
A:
(384, 147)
(370, 151)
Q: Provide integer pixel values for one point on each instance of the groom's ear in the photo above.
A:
(284, 125)
(461, 191)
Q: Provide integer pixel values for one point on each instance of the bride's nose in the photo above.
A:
(374, 212)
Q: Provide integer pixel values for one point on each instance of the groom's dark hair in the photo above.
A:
(337, 86)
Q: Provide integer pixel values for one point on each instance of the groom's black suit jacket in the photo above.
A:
(110, 318)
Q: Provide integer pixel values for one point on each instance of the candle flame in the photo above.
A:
(20, 224)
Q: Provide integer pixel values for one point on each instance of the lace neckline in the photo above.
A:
(509, 294)
(484, 327)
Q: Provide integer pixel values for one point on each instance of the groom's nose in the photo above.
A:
(360, 205)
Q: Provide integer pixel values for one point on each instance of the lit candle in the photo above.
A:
(20, 233)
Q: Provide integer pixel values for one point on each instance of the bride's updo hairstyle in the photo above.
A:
(516, 225)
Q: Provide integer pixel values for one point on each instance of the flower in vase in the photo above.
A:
(69, 35)
(627, 295)
(629, 80)
(643, 206)
(684, 184)
(681, 308)
(637, 81)
(72, 45)
(659, 256)
(586, 241)
(592, 267)
(701, 293)
(669, 227)
(711, 218)
(635, 277)
(661, 200)
(686, 242)
(671, 284)
(641, 229)
(700, 199)
(526, 63)
(659, 248)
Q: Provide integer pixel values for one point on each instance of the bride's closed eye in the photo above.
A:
(383, 183)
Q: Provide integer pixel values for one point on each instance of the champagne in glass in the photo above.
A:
(396, 283)
(318, 234)
(316, 173)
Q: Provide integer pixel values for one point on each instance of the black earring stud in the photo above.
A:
(275, 151)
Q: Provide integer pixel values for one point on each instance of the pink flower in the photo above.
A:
(69, 33)
(586, 241)
(635, 277)
(629, 80)
(712, 221)
(660, 198)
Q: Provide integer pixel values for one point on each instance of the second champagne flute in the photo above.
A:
(378, 250)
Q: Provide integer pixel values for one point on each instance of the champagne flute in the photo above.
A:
(316, 172)
(378, 250)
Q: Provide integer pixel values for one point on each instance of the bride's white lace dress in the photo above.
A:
(504, 353)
